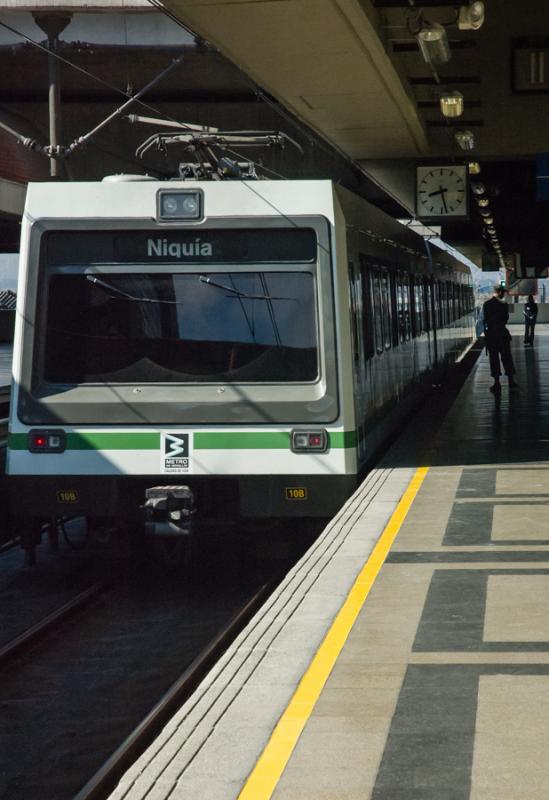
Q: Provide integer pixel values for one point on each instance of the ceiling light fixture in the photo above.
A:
(484, 212)
(488, 220)
(465, 139)
(478, 188)
(451, 105)
(483, 202)
(433, 43)
(471, 17)
(473, 167)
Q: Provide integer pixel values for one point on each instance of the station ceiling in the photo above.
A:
(353, 71)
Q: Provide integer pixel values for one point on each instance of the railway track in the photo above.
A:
(36, 632)
(92, 684)
(106, 778)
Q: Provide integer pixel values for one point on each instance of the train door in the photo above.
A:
(430, 320)
(356, 293)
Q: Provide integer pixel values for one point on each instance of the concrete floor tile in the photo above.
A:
(517, 608)
(205, 789)
(512, 742)
(522, 481)
(520, 522)
(357, 675)
(363, 704)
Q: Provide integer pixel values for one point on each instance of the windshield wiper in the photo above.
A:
(126, 295)
(238, 293)
(203, 278)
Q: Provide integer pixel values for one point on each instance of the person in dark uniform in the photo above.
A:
(498, 338)
(530, 312)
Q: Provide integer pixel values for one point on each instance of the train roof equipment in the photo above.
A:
(211, 148)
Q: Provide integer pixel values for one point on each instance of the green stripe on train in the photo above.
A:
(205, 440)
(266, 440)
(148, 440)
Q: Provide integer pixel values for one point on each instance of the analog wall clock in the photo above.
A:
(441, 192)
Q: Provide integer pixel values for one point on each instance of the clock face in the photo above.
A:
(441, 192)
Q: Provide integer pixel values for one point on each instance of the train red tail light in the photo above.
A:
(47, 441)
(309, 441)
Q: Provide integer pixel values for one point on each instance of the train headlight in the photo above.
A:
(179, 205)
(309, 441)
(47, 441)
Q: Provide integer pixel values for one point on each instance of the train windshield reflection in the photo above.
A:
(257, 327)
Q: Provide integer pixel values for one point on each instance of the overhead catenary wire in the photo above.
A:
(137, 99)
(314, 141)
(82, 70)
(260, 94)
(119, 111)
(31, 143)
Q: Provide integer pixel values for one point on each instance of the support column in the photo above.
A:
(53, 25)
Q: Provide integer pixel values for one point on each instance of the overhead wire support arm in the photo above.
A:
(169, 123)
(221, 139)
(62, 151)
(26, 141)
(119, 111)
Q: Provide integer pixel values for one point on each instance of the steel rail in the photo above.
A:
(9, 544)
(34, 633)
(106, 778)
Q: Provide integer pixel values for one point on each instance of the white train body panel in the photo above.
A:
(242, 461)
(346, 372)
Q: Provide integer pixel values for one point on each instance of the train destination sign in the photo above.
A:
(260, 245)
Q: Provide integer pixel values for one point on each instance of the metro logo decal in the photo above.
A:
(176, 456)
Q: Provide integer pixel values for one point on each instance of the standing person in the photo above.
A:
(498, 338)
(530, 312)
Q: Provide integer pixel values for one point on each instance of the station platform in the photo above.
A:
(406, 657)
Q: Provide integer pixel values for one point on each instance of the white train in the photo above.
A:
(236, 347)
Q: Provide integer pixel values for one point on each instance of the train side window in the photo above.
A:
(367, 311)
(451, 307)
(400, 309)
(406, 307)
(443, 304)
(428, 306)
(414, 321)
(419, 307)
(386, 301)
(393, 286)
(403, 307)
(353, 305)
(378, 313)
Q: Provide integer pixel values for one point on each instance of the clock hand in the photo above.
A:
(442, 193)
(440, 190)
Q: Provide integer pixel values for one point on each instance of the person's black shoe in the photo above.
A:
(496, 388)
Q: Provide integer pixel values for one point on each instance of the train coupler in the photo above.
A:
(169, 511)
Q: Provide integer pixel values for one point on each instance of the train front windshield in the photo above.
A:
(158, 328)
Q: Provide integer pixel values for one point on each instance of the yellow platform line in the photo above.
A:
(267, 772)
